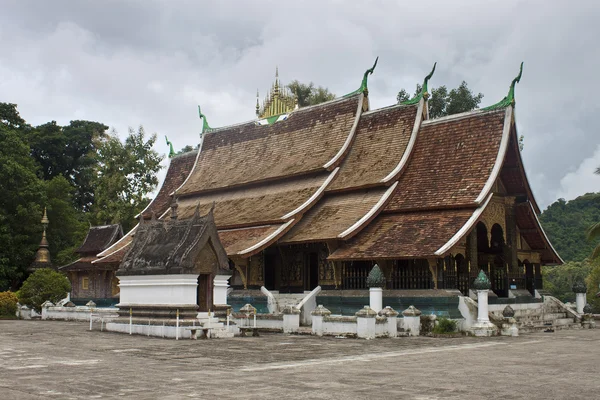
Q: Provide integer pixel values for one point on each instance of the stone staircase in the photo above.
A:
(551, 315)
(218, 328)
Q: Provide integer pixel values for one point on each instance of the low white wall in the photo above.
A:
(266, 323)
(151, 330)
(81, 313)
(338, 325)
(158, 290)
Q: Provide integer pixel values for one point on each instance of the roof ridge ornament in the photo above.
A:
(205, 126)
(509, 100)
(171, 151)
(363, 86)
(424, 93)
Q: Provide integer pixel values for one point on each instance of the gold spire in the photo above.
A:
(42, 256)
(278, 101)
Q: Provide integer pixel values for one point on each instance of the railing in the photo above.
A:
(411, 275)
(355, 276)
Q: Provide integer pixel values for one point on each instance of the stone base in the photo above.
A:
(483, 329)
(158, 311)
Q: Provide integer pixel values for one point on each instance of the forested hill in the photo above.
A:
(566, 222)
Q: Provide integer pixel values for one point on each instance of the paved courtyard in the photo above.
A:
(63, 360)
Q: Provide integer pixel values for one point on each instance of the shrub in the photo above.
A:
(8, 304)
(44, 284)
(445, 325)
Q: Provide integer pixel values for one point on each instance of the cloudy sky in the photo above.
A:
(126, 63)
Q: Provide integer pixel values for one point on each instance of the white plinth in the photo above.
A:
(580, 300)
(376, 298)
(483, 326)
(158, 290)
(220, 287)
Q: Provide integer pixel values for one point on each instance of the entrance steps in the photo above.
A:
(218, 329)
(548, 316)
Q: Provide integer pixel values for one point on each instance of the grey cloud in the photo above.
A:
(151, 62)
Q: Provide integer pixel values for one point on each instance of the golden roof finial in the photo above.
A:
(257, 104)
(45, 220)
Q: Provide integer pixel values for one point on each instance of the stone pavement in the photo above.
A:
(63, 360)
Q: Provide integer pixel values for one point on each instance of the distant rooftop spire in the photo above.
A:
(278, 100)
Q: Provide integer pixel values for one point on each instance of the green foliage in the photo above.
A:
(308, 94)
(22, 194)
(126, 173)
(43, 285)
(566, 224)
(8, 303)
(593, 284)
(187, 149)
(69, 151)
(444, 325)
(444, 102)
(559, 279)
(68, 226)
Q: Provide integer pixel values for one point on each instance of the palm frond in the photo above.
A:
(593, 231)
(596, 252)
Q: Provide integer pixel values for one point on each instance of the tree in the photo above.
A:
(594, 231)
(68, 226)
(559, 279)
(68, 151)
(593, 281)
(22, 194)
(442, 102)
(126, 173)
(308, 94)
(43, 285)
(566, 224)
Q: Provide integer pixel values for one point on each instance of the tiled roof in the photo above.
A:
(259, 205)
(180, 167)
(237, 240)
(333, 215)
(513, 174)
(380, 141)
(118, 254)
(83, 264)
(451, 162)
(306, 141)
(404, 235)
(99, 238)
(124, 241)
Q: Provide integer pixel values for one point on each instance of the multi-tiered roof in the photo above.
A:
(385, 183)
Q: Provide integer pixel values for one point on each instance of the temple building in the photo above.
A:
(315, 196)
(90, 281)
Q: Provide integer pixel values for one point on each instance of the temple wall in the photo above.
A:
(100, 284)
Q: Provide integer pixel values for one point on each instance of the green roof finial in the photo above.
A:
(424, 93)
(363, 86)
(171, 151)
(205, 127)
(509, 100)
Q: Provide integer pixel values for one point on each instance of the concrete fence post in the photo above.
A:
(365, 323)
(317, 319)
(412, 320)
(580, 290)
(291, 319)
(392, 320)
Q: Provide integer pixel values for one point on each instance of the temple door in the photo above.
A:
(204, 292)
